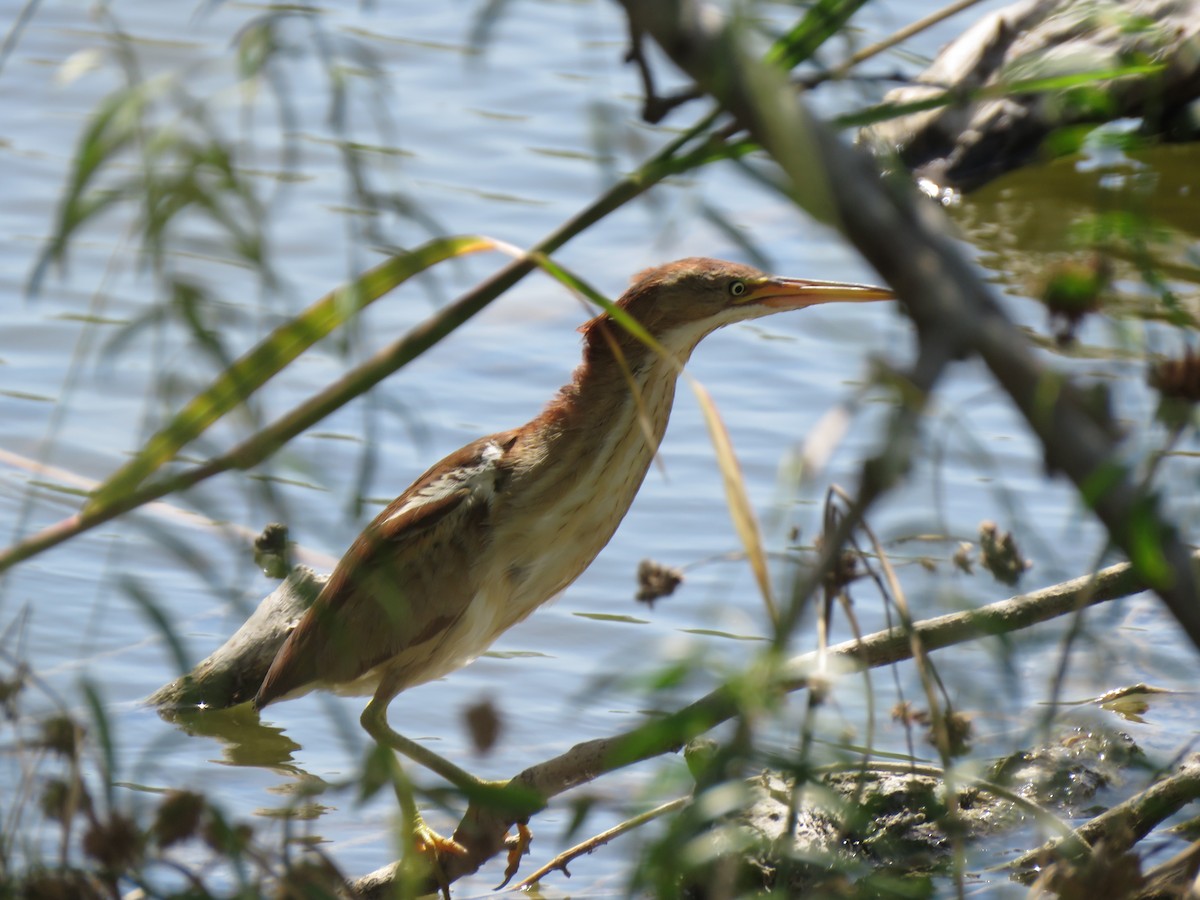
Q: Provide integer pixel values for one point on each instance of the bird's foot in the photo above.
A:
(428, 842)
(432, 849)
(518, 846)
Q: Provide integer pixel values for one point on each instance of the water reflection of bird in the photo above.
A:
(496, 529)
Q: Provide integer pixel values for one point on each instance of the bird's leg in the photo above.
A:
(424, 848)
(374, 720)
(426, 841)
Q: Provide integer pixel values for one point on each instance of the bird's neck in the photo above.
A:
(619, 400)
(590, 448)
(573, 472)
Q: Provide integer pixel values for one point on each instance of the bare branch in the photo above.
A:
(482, 830)
(905, 237)
(1122, 826)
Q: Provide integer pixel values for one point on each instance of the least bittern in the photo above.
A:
(501, 526)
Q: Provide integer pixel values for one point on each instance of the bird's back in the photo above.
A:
(401, 586)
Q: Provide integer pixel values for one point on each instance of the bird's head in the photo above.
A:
(680, 302)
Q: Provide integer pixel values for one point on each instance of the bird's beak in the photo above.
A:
(797, 293)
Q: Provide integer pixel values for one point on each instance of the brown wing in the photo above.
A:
(408, 576)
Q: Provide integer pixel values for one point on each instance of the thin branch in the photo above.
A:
(902, 35)
(264, 443)
(599, 840)
(1122, 826)
(1174, 877)
(906, 238)
(482, 830)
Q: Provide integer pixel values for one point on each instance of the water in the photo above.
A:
(507, 143)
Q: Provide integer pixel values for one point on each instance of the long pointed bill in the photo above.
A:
(797, 293)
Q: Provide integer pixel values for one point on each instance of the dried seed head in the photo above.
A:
(483, 724)
(225, 838)
(907, 714)
(656, 580)
(999, 554)
(60, 803)
(959, 730)
(178, 817)
(842, 573)
(1178, 378)
(962, 557)
(62, 735)
(116, 844)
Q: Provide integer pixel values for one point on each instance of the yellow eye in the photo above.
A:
(737, 288)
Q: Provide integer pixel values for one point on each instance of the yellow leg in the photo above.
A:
(374, 720)
(425, 851)
(517, 847)
(430, 851)
(427, 844)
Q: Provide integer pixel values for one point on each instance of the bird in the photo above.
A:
(498, 528)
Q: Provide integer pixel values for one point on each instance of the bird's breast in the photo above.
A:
(556, 512)
(548, 535)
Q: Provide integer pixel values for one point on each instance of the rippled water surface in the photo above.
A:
(506, 141)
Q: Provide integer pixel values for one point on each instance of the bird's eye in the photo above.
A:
(737, 288)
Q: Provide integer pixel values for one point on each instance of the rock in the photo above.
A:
(892, 820)
(963, 145)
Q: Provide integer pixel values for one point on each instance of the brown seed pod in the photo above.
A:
(656, 580)
(1177, 378)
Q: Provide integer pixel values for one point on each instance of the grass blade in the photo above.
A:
(247, 374)
(821, 21)
(574, 283)
(740, 510)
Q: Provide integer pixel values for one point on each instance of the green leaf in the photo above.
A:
(247, 374)
(161, 623)
(103, 737)
(577, 284)
(110, 132)
(821, 21)
(1144, 539)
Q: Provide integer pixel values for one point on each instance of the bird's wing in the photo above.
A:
(407, 578)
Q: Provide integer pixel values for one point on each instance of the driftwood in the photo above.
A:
(969, 142)
(232, 674)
